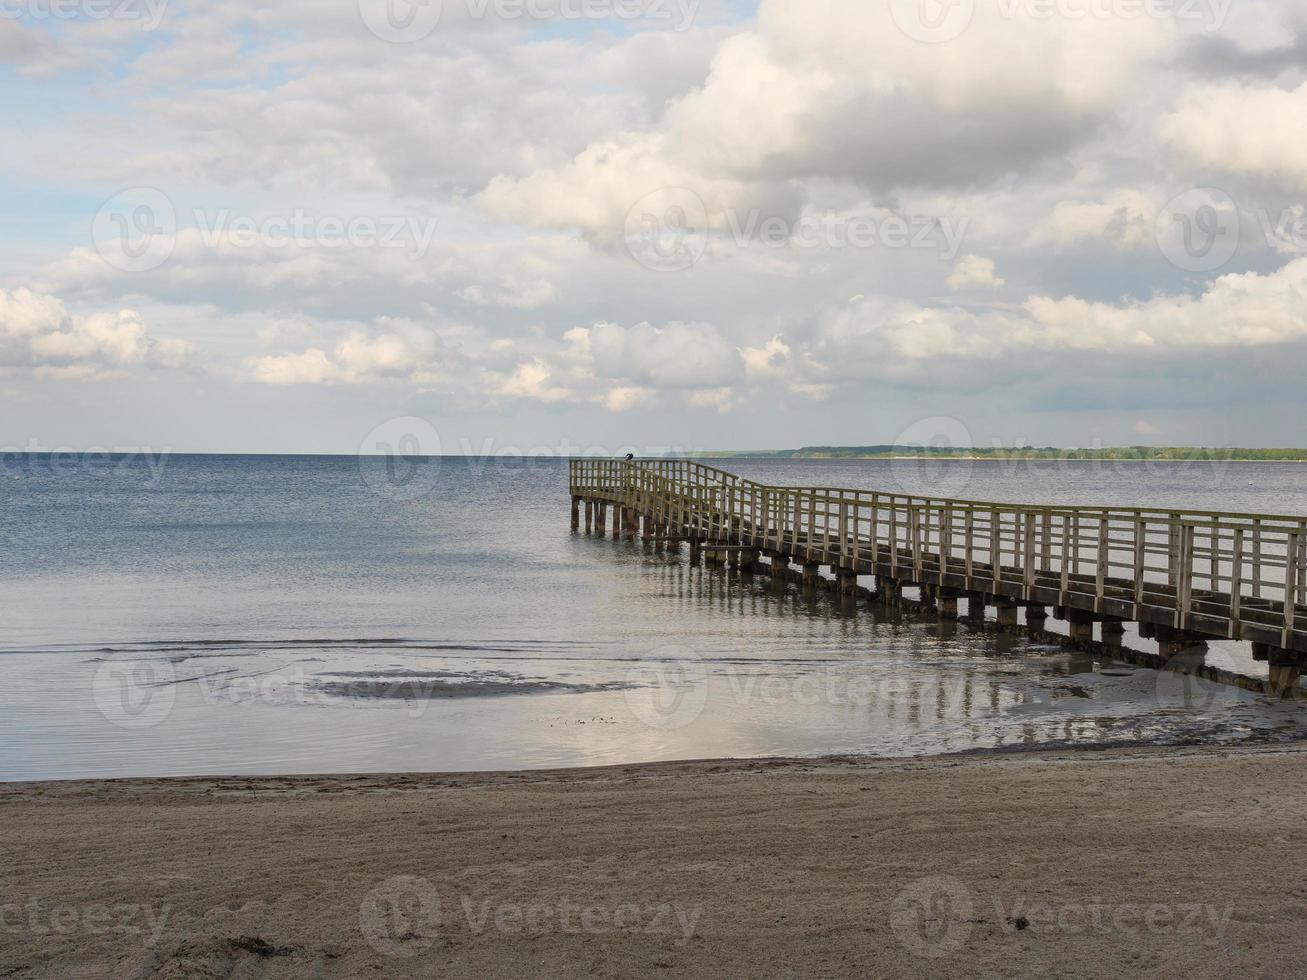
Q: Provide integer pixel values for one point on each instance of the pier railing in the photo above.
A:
(1227, 575)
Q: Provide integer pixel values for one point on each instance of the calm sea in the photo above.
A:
(230, 614)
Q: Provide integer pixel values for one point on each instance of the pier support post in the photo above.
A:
(674, 538)
(696, 551)
(1113, 632)
(749, 561)
(601, 519)
(780, 567)
(811, 575)
(1286, 667)
(948, 606)
(576, 513)
(1007, 612)
(1173, 642)
(1037, 617)
(891, 592)
(589, 516)
(1080, 625)
(976, 602)
(847, 579)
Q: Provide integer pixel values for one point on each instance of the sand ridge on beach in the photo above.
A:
(1174, 862)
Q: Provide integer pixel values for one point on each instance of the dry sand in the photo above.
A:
(1186, 862)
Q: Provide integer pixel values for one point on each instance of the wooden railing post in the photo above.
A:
(1292, 563)
(1140, 562)
(918, 558)
(968, 530)
(1028, 559)
(996, 547)
(1236, 584)
(1100, 575)
(1185, 572)
(844, 533)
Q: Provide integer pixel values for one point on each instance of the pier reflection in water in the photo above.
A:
(904, 684)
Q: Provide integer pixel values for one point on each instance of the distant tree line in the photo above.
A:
(1046, 452)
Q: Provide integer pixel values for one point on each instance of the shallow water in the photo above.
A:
(306, 614)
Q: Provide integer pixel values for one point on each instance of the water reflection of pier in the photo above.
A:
(1000, 675)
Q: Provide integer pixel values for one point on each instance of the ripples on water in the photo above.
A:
(307, 614)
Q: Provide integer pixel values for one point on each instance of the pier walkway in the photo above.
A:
(1185, 577)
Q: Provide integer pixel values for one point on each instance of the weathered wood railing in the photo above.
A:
(1220, 575)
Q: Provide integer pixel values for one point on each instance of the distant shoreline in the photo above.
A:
(1179, 454)
(1014, 459)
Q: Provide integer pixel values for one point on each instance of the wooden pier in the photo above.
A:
(1184, 576)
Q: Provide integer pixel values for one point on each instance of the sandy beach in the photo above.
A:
(1179, 862)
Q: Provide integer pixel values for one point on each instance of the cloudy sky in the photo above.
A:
(581, 224)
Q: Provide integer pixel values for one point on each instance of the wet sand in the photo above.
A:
(1177, 862)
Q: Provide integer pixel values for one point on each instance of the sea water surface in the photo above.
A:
(273, 615)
